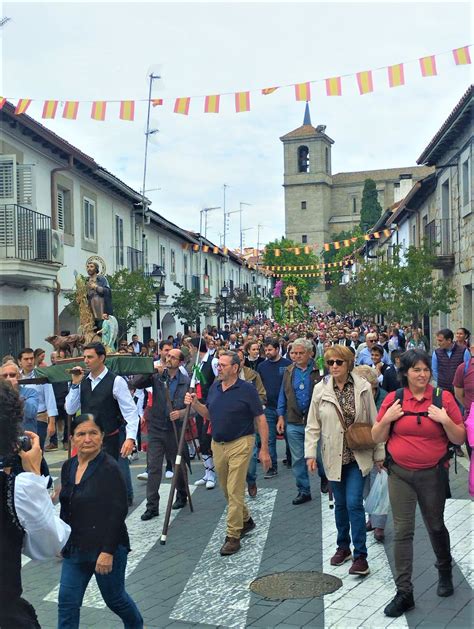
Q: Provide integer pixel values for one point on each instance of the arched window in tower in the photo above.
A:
(303, 159)
(328, 163)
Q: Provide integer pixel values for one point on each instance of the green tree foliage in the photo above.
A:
(305, 285)
(402, 289)
(258, 304)
(187, 307)
(371, 209)
(133, 297)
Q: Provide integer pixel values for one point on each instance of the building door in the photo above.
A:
(12, 337)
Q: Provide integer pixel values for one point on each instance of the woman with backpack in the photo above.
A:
(417, 423)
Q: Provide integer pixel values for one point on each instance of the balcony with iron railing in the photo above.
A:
(439, 239)
(26, 244)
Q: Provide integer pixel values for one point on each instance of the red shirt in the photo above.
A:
(414, 444)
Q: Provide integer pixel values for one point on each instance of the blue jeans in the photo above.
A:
(77, 571)
(295, 435)
(42, 428)
(272, 418)
(124, 465)
(349, 512)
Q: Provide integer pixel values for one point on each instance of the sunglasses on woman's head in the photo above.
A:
(337, 361)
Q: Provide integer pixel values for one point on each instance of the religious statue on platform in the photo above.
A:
(291, 304)
(99, 295)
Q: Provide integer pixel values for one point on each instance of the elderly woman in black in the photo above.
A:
(94, 503)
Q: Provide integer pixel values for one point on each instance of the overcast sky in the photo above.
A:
(100, 51)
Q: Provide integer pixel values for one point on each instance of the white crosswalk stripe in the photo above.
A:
(218, 591)
(143, 536)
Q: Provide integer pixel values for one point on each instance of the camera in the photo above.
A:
(24, 443)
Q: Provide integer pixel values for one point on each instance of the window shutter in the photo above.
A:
(61, 206)
(7, 179)
(25, 186)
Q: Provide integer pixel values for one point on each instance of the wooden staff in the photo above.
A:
(177, 468)
(184, 471)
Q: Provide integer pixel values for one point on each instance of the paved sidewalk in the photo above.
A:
(186, 583)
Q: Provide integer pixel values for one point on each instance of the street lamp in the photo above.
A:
(158, 276)
(225, 294)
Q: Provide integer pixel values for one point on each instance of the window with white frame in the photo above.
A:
(89, 216)
(173, 262)
(163, 257)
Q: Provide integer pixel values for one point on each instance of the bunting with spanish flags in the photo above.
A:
(71, 107)
(462, 56)
(428, 66)
(127, 110)
(49, 109)
(98, 110)
(303, 91)
(333, 87)
(364, 81)
(396, 75)
(181, 106)
(211, 104)
(242, 102)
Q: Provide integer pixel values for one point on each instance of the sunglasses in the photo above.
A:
(337, 361)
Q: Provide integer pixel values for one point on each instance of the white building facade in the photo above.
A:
(58, 207)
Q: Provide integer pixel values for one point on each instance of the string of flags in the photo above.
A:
(311, 267)
(395, 77)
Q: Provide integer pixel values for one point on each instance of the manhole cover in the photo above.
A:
(284, 585)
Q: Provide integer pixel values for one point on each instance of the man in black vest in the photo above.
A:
(169, 388)
(205, 364)
(446, 359)
(107, 397)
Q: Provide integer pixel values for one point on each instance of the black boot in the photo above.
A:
(445, 583)
(402, 603)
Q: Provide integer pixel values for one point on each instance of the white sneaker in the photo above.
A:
(169, 474)
(142, 476)
(201, 482)
(210, 484)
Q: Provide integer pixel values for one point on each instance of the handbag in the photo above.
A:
(358, 435)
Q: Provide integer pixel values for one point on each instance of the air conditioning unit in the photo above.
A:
(57, 246)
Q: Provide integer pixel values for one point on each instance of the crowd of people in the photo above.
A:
(348, 398)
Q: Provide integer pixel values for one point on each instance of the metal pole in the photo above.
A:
(147, 133)
(225, 217)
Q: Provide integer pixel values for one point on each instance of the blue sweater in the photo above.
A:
(271, 373)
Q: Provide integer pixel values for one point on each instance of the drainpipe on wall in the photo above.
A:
(54, 224)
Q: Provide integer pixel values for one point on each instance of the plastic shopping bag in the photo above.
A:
(377, 502)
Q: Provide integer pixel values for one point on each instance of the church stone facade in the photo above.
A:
(319, 204)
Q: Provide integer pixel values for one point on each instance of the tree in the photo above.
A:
(133, 297)
(258, 304)
(344, 252)
(305, 285)
(402, 289)
(187, 306)
(371, 209)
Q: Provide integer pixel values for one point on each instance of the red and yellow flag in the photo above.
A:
(49, 108)
(396, 75)
(195, 247)
(462, 56)
(156, 102)
(70, 110)
(327, 246)
(22, 105)
(337, 245)
(211, 104)
(303, 91)
(333, 86)
(269, 90)
(98, 110)
(127, 110)
(3, 100)
(181, 106)
(205, 248)
(215, 250)
(277, 253)
(297, 251)
(428, 66)
(307, 249)
(364, 81)
(386, 232)
(242, 101)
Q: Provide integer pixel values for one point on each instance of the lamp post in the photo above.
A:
(225, 294)
(158, 275)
